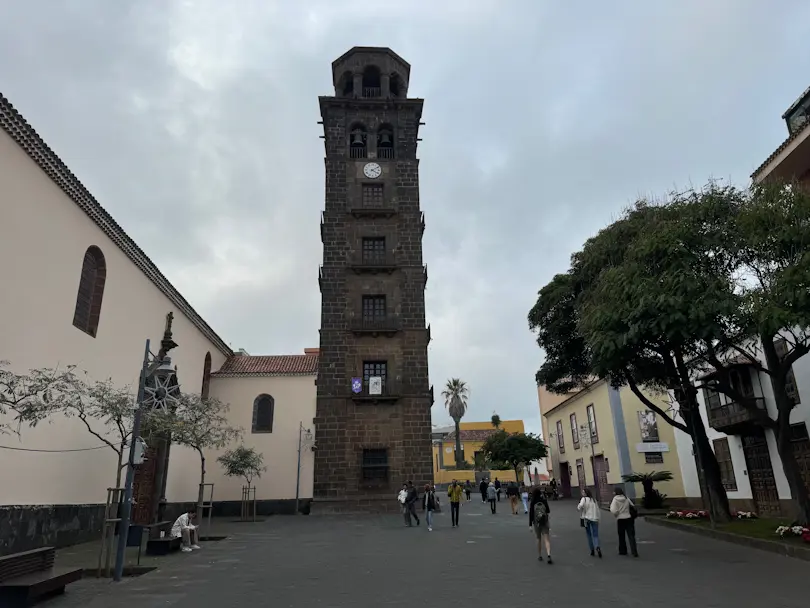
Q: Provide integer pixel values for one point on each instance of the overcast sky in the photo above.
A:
(198, 118)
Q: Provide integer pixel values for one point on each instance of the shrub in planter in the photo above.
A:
(653, 499)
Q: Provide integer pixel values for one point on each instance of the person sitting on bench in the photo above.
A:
(183, 528)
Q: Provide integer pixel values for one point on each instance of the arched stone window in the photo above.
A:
(206, 379)
(372, 82)
(385, 141)
(91, 291)
(263, 407)
(346, 85)
(358, 141)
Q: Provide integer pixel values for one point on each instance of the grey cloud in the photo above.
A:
(543, 122)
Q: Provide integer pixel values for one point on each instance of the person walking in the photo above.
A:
(524, 497)
(430, 503)
(454, 493)
(468, 489)
(539, 523)
(482, 487)
(625, 513)
(410, 503)
(589, 516)
(401, 498)
(512, 494)
(498, 488)
(492, 496)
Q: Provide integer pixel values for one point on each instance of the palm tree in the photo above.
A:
(647, 480)
(455, 395)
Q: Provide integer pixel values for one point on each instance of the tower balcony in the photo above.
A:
(377, 326)
(380, 211)
(375, 264)
(733, 418)
(422, 224)
(427, 331)
(425, 273)
(320, 278)
(390, 393)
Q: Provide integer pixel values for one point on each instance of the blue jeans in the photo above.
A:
(429, 518)
(592, 532)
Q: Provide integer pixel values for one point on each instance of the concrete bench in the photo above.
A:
(30, 576)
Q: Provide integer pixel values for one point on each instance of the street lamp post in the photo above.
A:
(304, 439)
(585, 437)
(160, 394)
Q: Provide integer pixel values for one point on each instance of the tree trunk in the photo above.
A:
(120, 468)
(719, 509)
(200, 494)
(459, 456)
(798, 491)
(517, 477)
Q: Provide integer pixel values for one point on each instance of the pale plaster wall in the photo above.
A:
(43, 238)
(294, 398)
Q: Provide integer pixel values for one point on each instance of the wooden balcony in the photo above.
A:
(379, 326)
(385, 263)
(732, 418)
(390, 394)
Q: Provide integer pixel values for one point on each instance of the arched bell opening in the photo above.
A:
(358, 141)
(372, 82)
(385, 142)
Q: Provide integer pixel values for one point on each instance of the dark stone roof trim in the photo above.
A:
(13, 123)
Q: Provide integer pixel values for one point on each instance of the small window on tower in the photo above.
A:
(374, 369)
(374, 249)
(372, 196)
(373, 308)
(375, 465)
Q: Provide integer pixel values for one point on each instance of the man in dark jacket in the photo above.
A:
(498, 488)
(482, 487)
(410, 503)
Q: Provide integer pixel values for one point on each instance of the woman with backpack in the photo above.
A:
(538, 521)
(625, 513)
(589, 517)
(430, 503)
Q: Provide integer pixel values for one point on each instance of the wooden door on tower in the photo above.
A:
(760, 473)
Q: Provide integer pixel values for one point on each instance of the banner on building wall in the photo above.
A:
(648, 425)
(375, 385)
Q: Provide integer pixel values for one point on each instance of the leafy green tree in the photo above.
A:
(29, 398)
(243, 462)
(516, 449)
(202, 424)
(496, 421)
(630, 313)
(455, 395)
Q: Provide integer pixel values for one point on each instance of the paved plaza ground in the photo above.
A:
(374, 562)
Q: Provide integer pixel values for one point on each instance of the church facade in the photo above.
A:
(77, 290)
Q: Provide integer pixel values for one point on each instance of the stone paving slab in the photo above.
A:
(374, 562)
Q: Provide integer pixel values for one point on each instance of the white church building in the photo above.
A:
(77, 290)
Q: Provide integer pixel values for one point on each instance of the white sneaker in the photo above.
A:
(186, 549)
(430, 529)
(196, 547)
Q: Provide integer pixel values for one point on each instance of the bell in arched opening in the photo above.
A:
(358, 138)
(385, 138)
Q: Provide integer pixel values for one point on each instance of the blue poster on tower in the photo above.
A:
(357, 385)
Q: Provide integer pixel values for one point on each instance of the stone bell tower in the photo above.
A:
(372, 425)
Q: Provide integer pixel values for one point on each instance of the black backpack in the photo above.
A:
(540, 514)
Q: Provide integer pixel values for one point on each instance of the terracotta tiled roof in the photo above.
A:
(780, 149)
(270, 365)
(13, 123)
(472, 435)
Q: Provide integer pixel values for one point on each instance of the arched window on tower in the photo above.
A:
(396, 85)
(372, 83)
(91, 291)
(385, 142)
(263, 407)
(206, 379)
(358, 142)
(346, 85)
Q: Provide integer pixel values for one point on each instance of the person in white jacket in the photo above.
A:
(624, 511)
(589, 514)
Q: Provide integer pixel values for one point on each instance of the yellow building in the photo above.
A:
(604, 432)
(473, 436)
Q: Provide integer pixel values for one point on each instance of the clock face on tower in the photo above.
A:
(372, 170)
